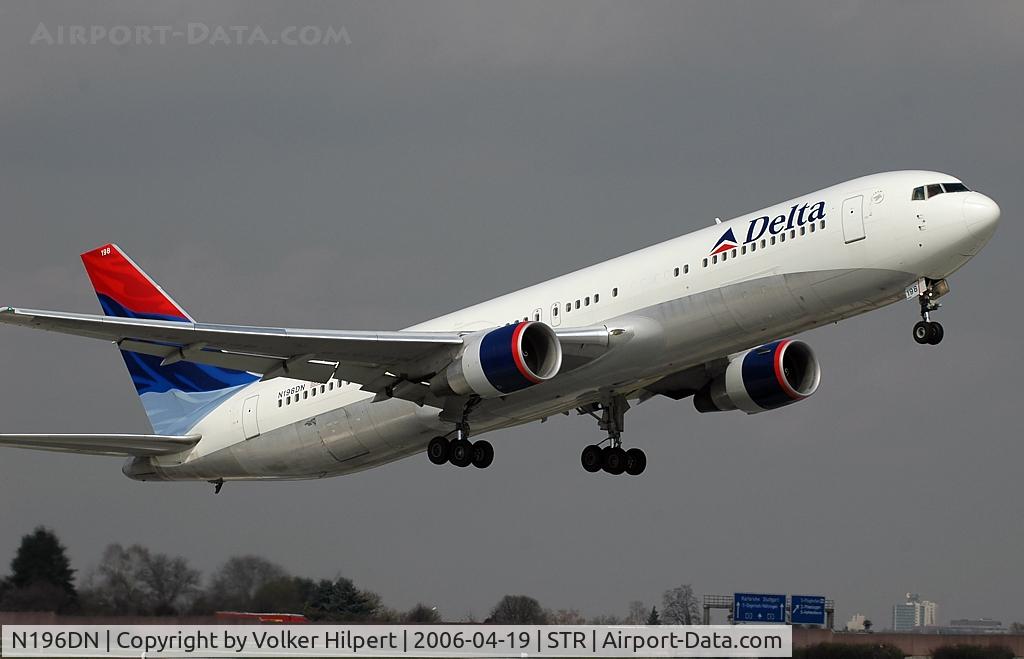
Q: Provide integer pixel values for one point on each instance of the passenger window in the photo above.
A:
(597, 297)
(568, 306)
(675, 272)
(577, 304)
(686, 269)
(305, 395)
(323, 388)
(330, 385)
(714, 258)
(536, 317)
(918, 193)
(734, 253)
(763, 243)
(773, 240)
(314, 391)
(554, 311)
(280, 402)
(615, 292)
(812, 227)
(586, 301)
(743, 250)
(821, 225)
(288, 400)
(803, 231)
(753, 247)
(725, 255)
(934, 189)
(792, 233)
(705, 263)
(782, 237)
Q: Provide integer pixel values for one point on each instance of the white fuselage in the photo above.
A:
(676, 304)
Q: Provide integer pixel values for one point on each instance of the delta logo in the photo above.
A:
(798, 216)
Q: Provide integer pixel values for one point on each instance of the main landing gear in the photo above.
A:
(460, 451)
(613, 459)
(927, 331)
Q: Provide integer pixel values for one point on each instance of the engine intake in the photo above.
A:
(765, 378)
(502, 361)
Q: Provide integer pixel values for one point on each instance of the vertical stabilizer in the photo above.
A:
(176, 395)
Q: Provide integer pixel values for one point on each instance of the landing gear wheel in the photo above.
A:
(636, 462)
(462, 453)
(935, 333)
(591, 458)
(482, 454)
(614, 459)
(439, 450)
(922, 331)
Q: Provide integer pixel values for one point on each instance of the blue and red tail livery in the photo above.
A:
(175, 396)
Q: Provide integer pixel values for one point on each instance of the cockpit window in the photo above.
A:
(936, 189)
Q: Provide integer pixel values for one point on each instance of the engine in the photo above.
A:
(764, 378)
(501, 361)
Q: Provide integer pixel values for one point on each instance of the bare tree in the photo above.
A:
(235, 585)
(680, 606)
(637, 613)
(134, 580)
(518, 610)
(167, 581)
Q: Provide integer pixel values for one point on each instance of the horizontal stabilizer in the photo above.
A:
(116, 445)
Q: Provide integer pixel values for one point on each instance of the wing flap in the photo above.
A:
(122, 445)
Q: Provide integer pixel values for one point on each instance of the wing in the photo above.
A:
(379, 361)
(116, 445)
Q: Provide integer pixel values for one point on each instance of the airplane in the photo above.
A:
(706, 316)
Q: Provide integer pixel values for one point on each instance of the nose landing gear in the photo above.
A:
(927, 331)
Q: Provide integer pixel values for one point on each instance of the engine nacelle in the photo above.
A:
(765, 378)
(501, 361)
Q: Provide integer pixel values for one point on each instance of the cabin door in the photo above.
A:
(853, 219)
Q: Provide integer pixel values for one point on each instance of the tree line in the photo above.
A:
(136, 581)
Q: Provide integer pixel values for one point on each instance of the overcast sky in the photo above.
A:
(453, 151)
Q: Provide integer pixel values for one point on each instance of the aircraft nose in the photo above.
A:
(981, 215)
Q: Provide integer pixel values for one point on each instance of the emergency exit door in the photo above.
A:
(853, 219)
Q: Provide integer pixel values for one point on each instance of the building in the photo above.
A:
(855, 623)
(974, 626)
(913, 614)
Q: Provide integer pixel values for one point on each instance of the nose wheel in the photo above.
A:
(928, 332)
